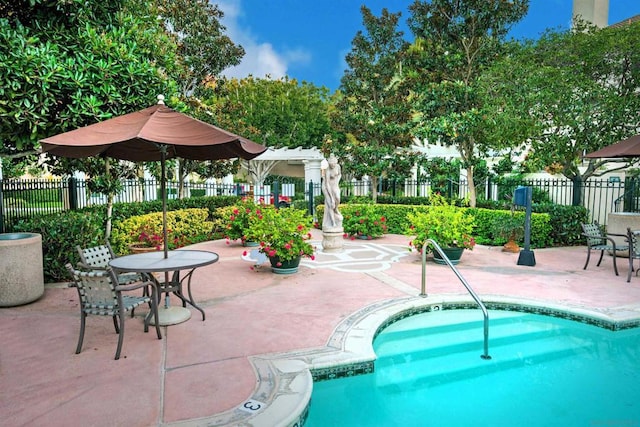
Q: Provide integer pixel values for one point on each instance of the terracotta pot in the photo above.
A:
(136, 248)
(511, 246)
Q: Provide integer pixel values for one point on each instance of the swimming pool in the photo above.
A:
(544, 371)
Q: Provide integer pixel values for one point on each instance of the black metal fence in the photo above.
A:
(26, 198)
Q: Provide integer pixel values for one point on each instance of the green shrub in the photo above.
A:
(184, 226)
(363, 220)
(61, 232)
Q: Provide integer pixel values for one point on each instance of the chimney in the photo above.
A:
(594, 11)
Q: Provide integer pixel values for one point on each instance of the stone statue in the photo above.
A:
(332, 220)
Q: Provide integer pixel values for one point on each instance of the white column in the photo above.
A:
(313, 173)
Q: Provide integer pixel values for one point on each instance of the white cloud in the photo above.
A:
(261, 58)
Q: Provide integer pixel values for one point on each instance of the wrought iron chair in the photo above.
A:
(598, 240)
(633, 238)
(100, 294)
(97, 258)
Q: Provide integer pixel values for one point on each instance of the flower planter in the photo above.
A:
(140, 249)
(454, 255)
(21, 264)
(284, 267)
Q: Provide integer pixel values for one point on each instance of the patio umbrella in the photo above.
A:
(156, 133)
(629, 147)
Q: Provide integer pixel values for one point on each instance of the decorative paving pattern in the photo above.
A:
(357, 257)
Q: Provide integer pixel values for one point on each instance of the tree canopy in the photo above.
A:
(370, 116)
(582, 88)
(455, 41)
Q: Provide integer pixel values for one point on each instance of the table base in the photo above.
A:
(171, 315)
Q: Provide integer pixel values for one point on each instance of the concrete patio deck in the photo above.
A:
(210, 373)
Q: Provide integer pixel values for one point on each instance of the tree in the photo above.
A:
(583, 90)
(455, 41)
(370, 116)
(203, 47)
(71, 64)
(279, 113)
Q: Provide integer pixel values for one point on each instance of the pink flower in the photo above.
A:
(279, 264)
(272, 253)
(287, 246)
(235, 212)
(244, 253)
(313, 257)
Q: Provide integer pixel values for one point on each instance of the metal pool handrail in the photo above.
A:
(446, 259)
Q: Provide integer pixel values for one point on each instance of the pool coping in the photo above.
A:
(284, 381)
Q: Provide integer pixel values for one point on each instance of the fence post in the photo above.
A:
(1, 206)
(310, 204)
(73, 193)
(276, 194)
(577, 191)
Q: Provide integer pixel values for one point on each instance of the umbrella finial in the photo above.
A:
(161, 99)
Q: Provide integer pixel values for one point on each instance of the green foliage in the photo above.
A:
(446, 224)
(60, 235)
(363, 221)
(70, 65)
(235, 219)
(276, 113)
(184, 227)
(371, 117)
(564, 222)
(282, 233)
(578, 89)
(455, 41)
(489, 232)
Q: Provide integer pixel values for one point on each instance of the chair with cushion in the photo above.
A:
(100, 294)
(598, 240)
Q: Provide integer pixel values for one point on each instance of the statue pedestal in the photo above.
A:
(332, 241)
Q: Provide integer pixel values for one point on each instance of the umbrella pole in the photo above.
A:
(163, 187)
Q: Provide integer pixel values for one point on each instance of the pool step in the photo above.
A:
(449, 353)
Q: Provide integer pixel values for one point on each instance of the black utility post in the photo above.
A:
(522, 197)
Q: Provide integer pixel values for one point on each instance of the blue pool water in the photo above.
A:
(544, 371)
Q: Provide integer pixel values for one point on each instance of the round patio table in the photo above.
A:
(154, 263)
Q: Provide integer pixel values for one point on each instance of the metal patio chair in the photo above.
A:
(633, 238)
(100, 294)
(598, 240)
(98, 257)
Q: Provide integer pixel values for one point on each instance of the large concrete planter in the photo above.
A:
(21, 270)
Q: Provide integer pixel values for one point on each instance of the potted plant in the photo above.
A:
(446, 224)
(236, 220)
(283, 236)
(363, 222)
(508, 229)
(147, 238)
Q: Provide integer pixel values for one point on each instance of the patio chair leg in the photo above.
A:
(120, 335)
(83, 316)
(615, 266)
(155, 316)
(115, 323)
(630, 268)
(600, 260)
(588, 256)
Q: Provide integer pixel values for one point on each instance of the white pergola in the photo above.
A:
(260, 167)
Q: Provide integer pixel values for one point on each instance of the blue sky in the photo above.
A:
(308, 39)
